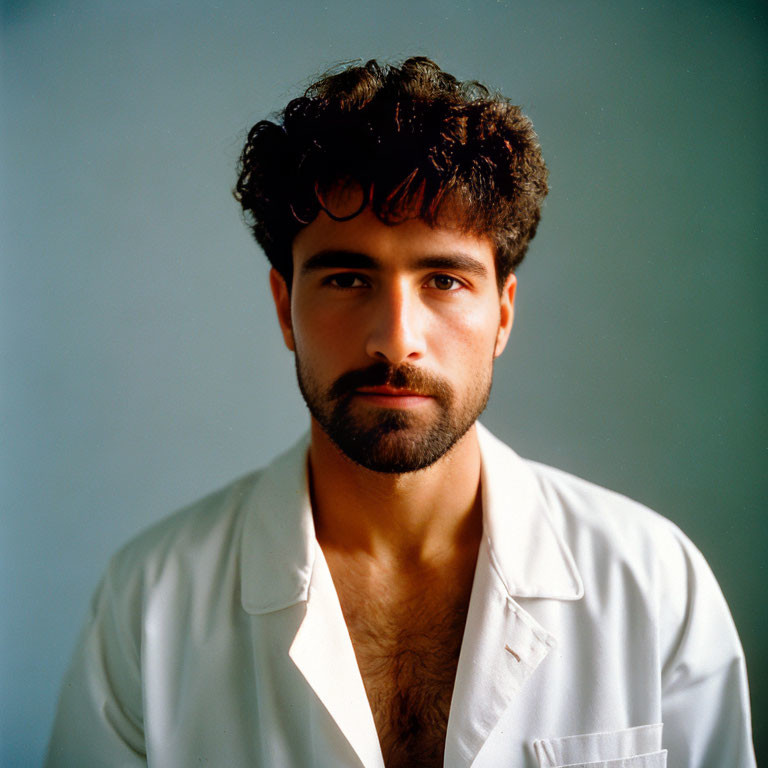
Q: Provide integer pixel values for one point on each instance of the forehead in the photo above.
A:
(390, 245)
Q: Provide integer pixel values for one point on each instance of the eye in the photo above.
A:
(345, 280)
(444, 283)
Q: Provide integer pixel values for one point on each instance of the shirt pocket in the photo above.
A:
(628, 748)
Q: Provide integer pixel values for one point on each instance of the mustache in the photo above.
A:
(399, 376)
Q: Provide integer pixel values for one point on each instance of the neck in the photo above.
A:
(415, 519)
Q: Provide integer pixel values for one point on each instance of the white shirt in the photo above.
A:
(596, 634)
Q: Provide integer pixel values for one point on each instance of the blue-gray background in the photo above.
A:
(141, 365)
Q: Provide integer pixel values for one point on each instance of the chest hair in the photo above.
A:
(407, 644)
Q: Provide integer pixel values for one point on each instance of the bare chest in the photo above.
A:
(407, 650)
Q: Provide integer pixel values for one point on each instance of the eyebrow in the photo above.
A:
(341, 259)
(336, 259)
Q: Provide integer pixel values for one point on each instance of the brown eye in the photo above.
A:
(444, 283)
(345, 280)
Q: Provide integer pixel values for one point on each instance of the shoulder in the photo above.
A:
(603, 527)
(198, 537)
(250, 539)
(583, 507)
(623, 548)
(602, 531)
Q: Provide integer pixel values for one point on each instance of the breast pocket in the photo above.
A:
(629, 748)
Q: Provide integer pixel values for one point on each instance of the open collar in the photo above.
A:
(523, 556)
(527, 552)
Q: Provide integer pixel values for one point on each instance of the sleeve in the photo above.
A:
(99, 717)
(705, 699)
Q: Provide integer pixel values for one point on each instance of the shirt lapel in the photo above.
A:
(283, 565)
(522, 555)
(322, 650)
(501, 649)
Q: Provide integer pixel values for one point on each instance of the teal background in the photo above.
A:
(140, 363)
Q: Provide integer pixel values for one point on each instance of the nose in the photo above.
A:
(396, 333)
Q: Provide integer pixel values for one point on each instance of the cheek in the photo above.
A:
(470, 334)
(321, 335)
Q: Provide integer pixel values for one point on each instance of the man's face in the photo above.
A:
(395, 329)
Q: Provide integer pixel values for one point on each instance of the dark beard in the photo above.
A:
(391, 440)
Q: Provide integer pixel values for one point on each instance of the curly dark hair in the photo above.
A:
(409, 138)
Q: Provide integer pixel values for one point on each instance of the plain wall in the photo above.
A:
(140, 362)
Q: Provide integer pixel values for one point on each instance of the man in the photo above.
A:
(401, 589)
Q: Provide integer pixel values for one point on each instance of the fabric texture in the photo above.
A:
(596, 635)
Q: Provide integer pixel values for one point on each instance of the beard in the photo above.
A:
(393, 440)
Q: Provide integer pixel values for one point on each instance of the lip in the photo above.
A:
(386, 390)
(390, 397)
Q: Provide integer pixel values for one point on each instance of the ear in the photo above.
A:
(507, 314)
(282, 297)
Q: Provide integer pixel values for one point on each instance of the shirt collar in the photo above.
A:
(527, 552)
(278, 540)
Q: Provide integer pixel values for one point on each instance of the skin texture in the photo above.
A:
(401, 546)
